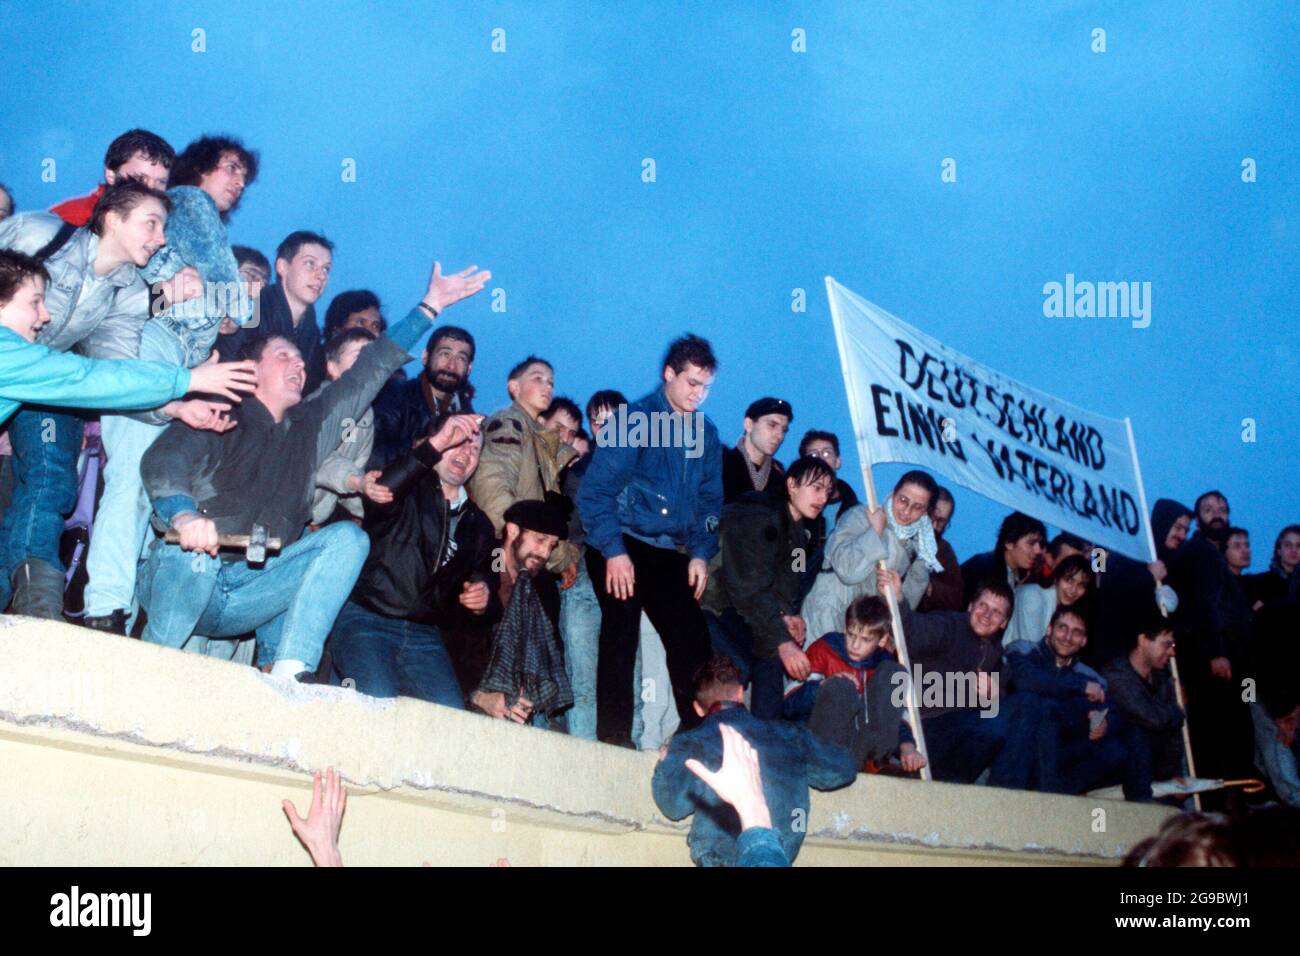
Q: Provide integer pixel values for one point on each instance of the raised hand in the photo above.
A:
(319, 832)
(456, 430)
(448, 290)
(227, 379)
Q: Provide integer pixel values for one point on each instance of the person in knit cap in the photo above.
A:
(525, 679)
(899, 533)
(752, 464)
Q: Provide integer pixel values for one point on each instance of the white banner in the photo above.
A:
(915, 400)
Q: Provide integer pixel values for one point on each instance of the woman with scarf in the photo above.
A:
(899, 533)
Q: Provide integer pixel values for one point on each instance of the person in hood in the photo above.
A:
(1126, 591)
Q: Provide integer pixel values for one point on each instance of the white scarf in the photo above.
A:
(920, 532)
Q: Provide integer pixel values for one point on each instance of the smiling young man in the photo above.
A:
(1079, 745)
(522, 460)
(208, 180)
(98, 304)
(203, 484)
(651, 511)
(752, 464)
(970, 726)
(1142, 693)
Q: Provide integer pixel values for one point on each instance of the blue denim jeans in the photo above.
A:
(733, 638)
(580, 630)
(122, 521)
(389, 657)
(962, 744)
(46, 445)
(291, 601)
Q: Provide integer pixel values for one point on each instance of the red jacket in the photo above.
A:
(826, 662)
(77, 211)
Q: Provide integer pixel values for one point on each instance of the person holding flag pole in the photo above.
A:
(873, 505)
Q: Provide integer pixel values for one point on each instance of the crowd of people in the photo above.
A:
(277, 492)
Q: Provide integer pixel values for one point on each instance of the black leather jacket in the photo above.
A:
(417, 566)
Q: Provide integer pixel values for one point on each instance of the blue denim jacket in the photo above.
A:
(660, 495)
(790, 758)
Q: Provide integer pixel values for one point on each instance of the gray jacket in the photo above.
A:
(848, 571)
(100, 316)
(347, 461)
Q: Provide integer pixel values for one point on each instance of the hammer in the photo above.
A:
(255, 544)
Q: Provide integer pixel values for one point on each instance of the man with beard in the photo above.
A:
(754, 582)
(1208, 645)
(752, 465)
(404, 411)
(430, 566)
(525, 679)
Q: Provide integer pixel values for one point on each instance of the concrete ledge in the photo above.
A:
(118, 752)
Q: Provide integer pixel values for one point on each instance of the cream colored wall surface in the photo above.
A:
(118, 752)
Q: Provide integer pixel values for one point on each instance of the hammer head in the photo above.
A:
(256, 553)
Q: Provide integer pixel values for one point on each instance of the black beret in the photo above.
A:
(769, 406)
(540, 516)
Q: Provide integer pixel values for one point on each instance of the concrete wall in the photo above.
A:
(117, 752)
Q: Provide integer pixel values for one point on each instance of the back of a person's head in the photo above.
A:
(1189, 839)
(716, 680)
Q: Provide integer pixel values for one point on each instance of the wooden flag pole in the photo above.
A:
(895, 619)
(1173, 661)
(900, 643)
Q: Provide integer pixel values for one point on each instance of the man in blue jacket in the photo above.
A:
(789, 756)
(650, 503)
(1079, 743)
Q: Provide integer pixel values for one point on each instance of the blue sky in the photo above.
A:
(773, 169)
